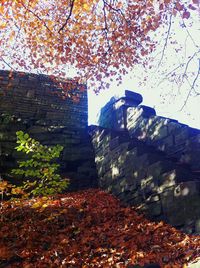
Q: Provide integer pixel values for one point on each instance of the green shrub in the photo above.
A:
(41, 168)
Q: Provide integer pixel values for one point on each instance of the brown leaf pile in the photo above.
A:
(87, 229)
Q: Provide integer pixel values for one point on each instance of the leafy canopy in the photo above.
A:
(99, 38)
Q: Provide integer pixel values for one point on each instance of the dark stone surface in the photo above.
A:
(29, 104)
(137, 98)
(142, 176)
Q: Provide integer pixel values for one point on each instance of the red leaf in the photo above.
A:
(186, 15)
(161, 7)
(179, 7)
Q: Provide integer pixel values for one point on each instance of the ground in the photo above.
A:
(89, 228)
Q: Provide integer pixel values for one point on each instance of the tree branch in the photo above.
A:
(166, 39)
(192, 87)
(38, 17)
(7, 64)
(118, 10)
(187, 64)
(106, 25)
(189, 34)
(68, 17)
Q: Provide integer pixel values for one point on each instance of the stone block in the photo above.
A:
(195, 140)
(167, 180)
(197, 226)
(37, 129)
(138, 128)
(153, 198)
(154, 209)
(182, 136)
(177, 209)
(188, 188)
(192, 158)
(175, 176)
(174, 127)
(136, 97)
(133, 113)
(140, 174)
(116, 141)
(160, 167)
(149, 186)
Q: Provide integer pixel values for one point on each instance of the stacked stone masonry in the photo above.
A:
(28, 102)
(149, 161)
(34, 96)
(177, 140)
(146, 178)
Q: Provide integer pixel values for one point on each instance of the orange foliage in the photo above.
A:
(100, 38)
(87, 229)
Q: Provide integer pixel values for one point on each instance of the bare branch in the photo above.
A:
(7, 64)
(187, 64)
(192, 87)
(189, 34)
(166, 39)
(170, 73)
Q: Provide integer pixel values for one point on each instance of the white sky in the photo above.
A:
(190, 115)
(166, 97)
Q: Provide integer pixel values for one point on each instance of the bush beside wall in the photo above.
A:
(28, 102)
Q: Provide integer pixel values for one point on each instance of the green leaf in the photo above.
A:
(39, 166)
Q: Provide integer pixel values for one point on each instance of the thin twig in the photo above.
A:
(166, 39)
(38, 17)
(118, 10)
(189, 34)
(106, 25)
(192, 87)
(187, 64)
(68, 17)
(7, 64)
(169, 73)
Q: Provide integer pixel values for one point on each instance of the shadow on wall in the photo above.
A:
(147, 171)
(28, 102)
(176, 140)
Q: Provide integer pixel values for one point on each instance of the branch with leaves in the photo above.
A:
(100, 39)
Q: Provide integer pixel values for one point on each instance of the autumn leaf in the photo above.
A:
(179, 7)
(65, 232)
(99, 39)
(186, 15)
(196, 1)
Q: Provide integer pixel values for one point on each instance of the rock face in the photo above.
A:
(150, 162)
(28, 102)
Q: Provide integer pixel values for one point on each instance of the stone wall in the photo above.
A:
(177, 140)
(28, 102)
(34, 97)
(146, 178)
(149, 161)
